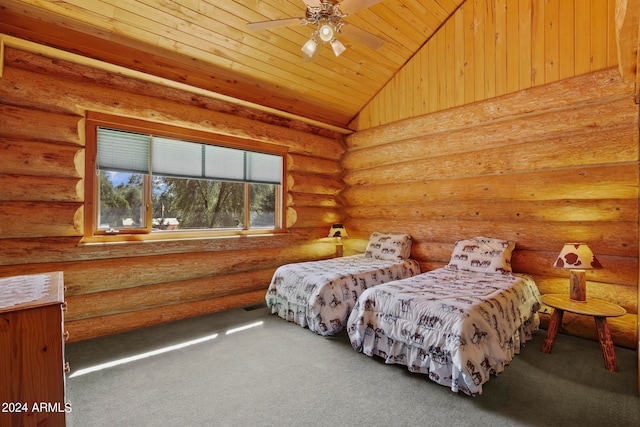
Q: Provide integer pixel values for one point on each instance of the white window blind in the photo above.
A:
(263, 168)
(123, 151)
(130, 152)
(176, 158)
(224, 163)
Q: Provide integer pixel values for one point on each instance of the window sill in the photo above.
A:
(172, 236)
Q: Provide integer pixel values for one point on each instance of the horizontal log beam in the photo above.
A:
(597, 182)
(516, 156)
(538, 128)
(305, 199)
(40, 188)
(314, 165)
(600, 85)
(43, 253)
(104, 325)
(35, 125)
(40, 158)
(624, 210)
(315, 184)
(109, 274)
(139, 298)
(314, 217)
(75, 97)
(190, 84)
(40, 219)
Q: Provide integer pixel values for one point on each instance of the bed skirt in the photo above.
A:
(439, 366)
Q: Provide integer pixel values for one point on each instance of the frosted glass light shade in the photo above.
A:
(325, 32)
(309, 47)
(337, 47)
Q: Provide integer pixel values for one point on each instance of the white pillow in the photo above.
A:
(388, 246)
(482, 254)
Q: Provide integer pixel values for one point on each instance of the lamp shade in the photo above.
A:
(337, 47)
(326, 32)
(309, 47)
(338, 230)
(577, 256)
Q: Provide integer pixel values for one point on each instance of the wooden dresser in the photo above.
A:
(32, 367)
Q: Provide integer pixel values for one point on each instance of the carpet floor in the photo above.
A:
(202, 372)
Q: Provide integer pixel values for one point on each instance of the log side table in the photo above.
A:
(599, 309)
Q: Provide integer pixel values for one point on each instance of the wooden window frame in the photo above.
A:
(95, 120)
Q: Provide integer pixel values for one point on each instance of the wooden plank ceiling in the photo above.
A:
(205, 43)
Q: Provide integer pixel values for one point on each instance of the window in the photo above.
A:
(162, 181)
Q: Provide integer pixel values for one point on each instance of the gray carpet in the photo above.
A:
(279, 374)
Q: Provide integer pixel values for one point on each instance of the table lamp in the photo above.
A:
(577, 257)
(338, 230)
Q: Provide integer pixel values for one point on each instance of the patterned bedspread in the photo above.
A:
(458, 327)
(320, 294)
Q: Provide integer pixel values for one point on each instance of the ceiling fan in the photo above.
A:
(327, 16)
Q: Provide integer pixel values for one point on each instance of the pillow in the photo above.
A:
(388, 246)
(482, 254)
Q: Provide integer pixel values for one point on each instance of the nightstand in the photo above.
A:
(599, 309)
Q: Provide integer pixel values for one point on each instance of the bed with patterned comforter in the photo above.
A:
(456, 326)
(320, 294)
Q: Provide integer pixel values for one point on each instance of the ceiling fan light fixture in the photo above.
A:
(326, 16)
(337, 47)
(326, 32)
(309, 48)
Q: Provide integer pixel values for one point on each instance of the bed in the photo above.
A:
(319, 295)
(458, 324)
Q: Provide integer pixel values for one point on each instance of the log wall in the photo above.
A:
(543, 166)
(115, 287)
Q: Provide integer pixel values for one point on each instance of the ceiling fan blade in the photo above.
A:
(352, 6)
(311, 2)
(275, 23)
(361, 36)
